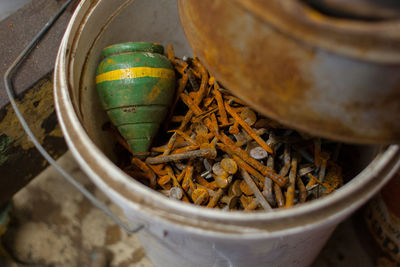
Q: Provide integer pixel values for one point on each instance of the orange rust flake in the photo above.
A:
(170, 53)
(155, 91)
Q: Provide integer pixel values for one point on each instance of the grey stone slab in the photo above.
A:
(54, 225)
(18, 29)
(7, 7)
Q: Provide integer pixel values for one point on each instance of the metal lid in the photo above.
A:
(358, 9)
(379, 40)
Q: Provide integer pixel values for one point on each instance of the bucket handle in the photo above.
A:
(10, 92)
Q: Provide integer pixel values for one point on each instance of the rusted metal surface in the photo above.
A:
(327, 76)
(359, 9)
(20, 162)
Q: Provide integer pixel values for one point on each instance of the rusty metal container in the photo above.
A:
(176, 233)
(333, 77)
(359, 9)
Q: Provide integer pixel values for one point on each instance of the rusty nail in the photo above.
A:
(201, 153)
(242, 138)
(149, 173)
(324, 156)
(229, 165)
(230, 201)
(215, 198)
(305, 170)
(234, 189)
(268, 184)
(248, 203)
(175, 193)
(268, 191)
(206, 174)
(280, 200)
(192, 80)
(302, 190)
(187, 183)
(223, 181)
(286, 161)
(170, 144)
(247, 128)
(249, 116)
(234, 129)
(253, 187)
(180, 166)
(163, 181)
(258, 153)
(290, 192)
(217, 169)
(245, 188)
(200, 196)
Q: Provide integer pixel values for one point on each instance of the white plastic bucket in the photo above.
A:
(176, 233)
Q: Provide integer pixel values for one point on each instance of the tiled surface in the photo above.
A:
(54, 225)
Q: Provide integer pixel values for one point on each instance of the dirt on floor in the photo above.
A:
(54, 225)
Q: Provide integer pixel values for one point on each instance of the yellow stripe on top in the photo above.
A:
(136, 72)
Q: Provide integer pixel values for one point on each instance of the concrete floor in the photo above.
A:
(18, 28)
(7, 7)
(54, 225)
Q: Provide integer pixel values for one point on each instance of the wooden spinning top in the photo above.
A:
(136, 85)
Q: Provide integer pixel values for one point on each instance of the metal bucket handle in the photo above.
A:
(10, 92)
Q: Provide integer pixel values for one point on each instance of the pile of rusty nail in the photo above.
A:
(221, 154)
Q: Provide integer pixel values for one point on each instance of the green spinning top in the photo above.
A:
(136, 85)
